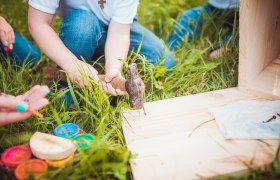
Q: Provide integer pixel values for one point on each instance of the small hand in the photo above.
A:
(107, 87)
(7, 35)
(78, 69)
(34, 99)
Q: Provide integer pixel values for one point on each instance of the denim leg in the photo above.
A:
(152, 48)
(189, 24)
(23, 52)
(80, 32)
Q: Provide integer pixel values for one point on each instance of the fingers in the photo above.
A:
(10, 38)
(7, 117)
(11, 117)
(9, 102)
(7, 37)
(35, 93)
(37, 105)
(120, 92)
(108, 88)
(4, 39)
(93, 74)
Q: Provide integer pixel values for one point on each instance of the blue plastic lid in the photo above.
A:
(66, 130)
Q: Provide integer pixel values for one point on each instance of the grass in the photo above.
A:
(109, 157)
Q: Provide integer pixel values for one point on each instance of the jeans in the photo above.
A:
(190, 24)
(23, 52)
(85, 36)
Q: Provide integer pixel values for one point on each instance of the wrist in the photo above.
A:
(116, 67)
(68, 64)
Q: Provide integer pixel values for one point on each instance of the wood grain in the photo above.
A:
(167, 144)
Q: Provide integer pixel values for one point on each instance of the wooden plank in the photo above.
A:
(267, 83)
(167, 147)
(259, 40)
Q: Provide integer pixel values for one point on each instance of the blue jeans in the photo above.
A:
(85, 36)
(23, 52)
(190, 24)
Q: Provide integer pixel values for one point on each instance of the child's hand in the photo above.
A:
(78, 69)
(34, 99)
(109, 76)
(7, 35)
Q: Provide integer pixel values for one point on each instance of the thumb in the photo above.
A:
(109, 76)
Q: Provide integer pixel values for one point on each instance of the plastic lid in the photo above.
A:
(66, 130)
(60, 163)
(83, 141)
(32, 167)
(15, 155)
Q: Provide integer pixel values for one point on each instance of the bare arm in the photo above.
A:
(49, 42)
(116, 49)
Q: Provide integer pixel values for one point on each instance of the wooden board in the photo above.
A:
(168, 146)
(259, 46)
(267, 83)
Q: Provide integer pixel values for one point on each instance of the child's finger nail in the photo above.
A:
(5, 43)
(22, 107)
(11, 46)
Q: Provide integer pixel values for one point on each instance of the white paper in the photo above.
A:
(244, 119)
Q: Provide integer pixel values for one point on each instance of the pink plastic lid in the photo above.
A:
(15, 155)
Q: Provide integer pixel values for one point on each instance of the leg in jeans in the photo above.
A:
(189, 25)
(23, 52)
(152, 48)
(80, 32)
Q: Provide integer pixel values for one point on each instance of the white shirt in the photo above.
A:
(224, 4)
(121, 11)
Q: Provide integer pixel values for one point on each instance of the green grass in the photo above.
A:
(109, 157)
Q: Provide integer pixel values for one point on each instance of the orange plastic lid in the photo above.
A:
(15, 155)
(32, 167)
(60, 163)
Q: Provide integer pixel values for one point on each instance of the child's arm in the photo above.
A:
(49, 42)
(116, 49)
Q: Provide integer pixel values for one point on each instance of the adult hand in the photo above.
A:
(7, 35)
(34, 99)
(109, 76)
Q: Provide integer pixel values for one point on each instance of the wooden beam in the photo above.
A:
(259, 44)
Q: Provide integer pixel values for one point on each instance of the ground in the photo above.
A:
(108, 159)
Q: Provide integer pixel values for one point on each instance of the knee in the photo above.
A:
(24, 52)
(33, 57)
(79, 24)
(191, 14)
(161, 56)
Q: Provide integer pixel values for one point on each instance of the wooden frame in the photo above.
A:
(259, 67)
(167, 142)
